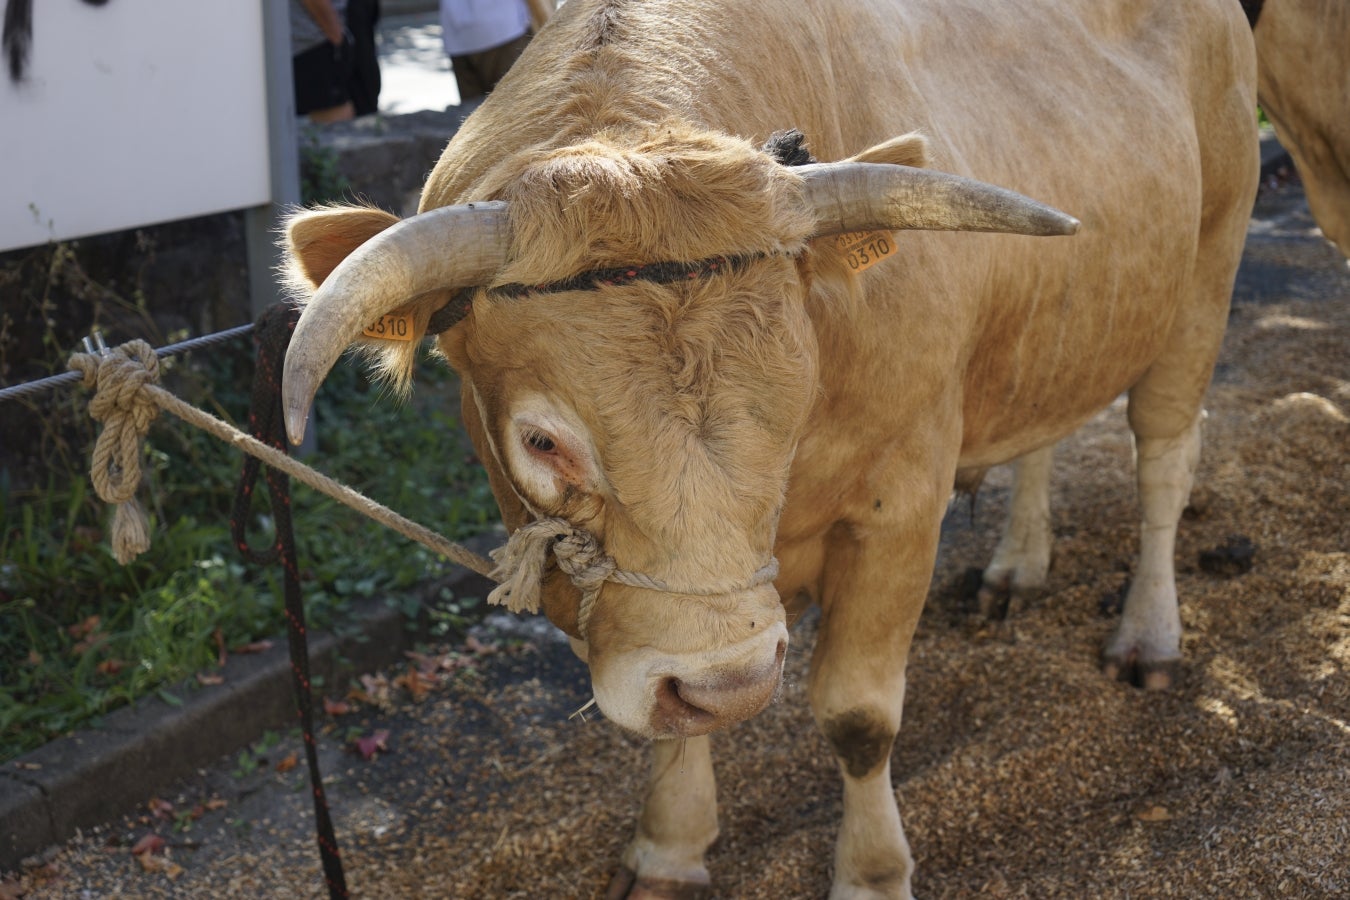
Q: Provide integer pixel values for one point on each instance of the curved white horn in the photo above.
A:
(858, 196)
(453, 246)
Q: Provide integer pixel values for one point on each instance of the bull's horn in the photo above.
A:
(453, 246)
(858, 196)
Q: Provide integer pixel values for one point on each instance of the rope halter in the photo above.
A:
(521, 564)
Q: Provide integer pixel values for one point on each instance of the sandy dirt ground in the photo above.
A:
(1019, 771)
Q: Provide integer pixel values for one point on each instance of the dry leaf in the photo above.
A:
(205, 679)
(85, 628)
(336, 707)
(255, 647)
(110, 666)
(1153, 814)
(368, 746)
(160, 809)
(285, 765)
(415, 684)
(477, 646)
(150, 843)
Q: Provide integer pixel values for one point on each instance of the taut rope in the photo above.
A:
(127, 400)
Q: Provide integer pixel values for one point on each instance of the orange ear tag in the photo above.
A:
(864, 249)
(394, 326)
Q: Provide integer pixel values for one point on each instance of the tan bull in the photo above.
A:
(1303, 84)
(700, 413)
(1303, 68)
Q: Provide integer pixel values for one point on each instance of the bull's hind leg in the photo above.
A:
(1147, 643)
(1165, 404)
(1022, 558)
(677, 824)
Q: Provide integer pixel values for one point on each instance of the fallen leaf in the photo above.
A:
(415, 684)
(255, 647)
(90, 639)
(477, 646)
(336, 707)
(368, 746)
(110, 666)
(31, 766)
(1153, 814)
(34, 658)
(289, 762)
(86, 537)
(85, 628)
(378, 691)
(205, 679)
(150, 843)
(160, 809)
(216, 803)
(220, 647)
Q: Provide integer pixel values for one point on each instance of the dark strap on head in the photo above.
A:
(658, 272)
(788, 147)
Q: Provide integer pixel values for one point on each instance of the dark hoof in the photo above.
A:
(625, 885)
(1151, 676)
(999, 602)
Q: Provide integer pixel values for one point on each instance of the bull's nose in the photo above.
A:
(688, 707)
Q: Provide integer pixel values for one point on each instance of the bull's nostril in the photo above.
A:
(673, 706)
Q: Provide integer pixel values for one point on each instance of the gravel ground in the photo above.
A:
(1019, 772)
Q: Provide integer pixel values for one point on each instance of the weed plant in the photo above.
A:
(81, 635)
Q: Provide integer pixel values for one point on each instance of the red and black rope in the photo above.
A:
(271, 335)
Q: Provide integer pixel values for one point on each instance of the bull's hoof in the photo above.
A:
(1159, 675)
(626, 885)
(998, 602)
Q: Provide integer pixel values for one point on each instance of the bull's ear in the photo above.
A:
(317, 240)
(905, 150)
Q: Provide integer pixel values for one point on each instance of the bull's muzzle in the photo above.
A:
(687, 707)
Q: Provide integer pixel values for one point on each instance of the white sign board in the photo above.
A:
(131, 112)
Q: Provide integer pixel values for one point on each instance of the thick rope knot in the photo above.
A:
(126, 410)
(523, 560)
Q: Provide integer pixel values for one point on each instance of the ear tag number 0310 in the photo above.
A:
(394, 326)
(864, 249)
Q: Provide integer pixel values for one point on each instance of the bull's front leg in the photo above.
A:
(873, 593)
(677, 824)
(1022, 559)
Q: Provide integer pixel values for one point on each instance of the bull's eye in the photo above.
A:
(540, 442)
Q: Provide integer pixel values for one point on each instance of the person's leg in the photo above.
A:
(364, 86)
(320, 75)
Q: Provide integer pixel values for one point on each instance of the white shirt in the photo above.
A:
(472, 26)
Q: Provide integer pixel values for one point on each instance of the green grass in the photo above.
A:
(81, 635)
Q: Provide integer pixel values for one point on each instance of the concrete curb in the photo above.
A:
(96, 775)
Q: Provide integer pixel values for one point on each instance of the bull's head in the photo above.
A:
(638, 364)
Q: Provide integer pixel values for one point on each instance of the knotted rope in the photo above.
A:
(127, 400)
(115, 373)
(521, 566)
(126, 412)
